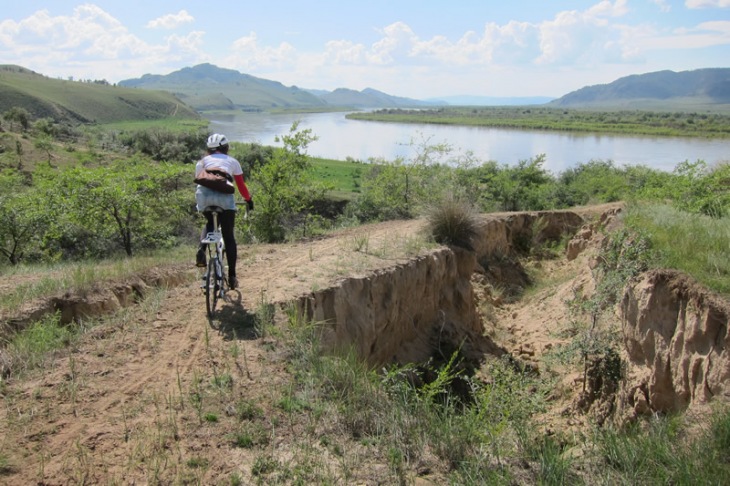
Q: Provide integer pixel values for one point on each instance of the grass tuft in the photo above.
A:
(453, 222)
(32, 347)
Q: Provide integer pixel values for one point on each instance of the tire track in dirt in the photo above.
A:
(116, 401)
(126, 378)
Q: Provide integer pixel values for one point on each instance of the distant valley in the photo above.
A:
(205, 88)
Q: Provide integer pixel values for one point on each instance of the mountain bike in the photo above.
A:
(215, 279)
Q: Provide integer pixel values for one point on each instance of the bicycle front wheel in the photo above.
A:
(211, 287)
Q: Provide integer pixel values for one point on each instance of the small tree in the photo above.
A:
(19, 115)
(22, 218)
(283, 187)
(45, 143)
(131, 201)
(19, 153)
(524, 187)
(401, 188)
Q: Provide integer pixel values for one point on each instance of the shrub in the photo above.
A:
(283, 187)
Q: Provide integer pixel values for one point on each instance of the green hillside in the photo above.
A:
(84, 102)
(207, 87)
(694, 90)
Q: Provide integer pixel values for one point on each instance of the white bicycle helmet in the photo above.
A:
(216, 141)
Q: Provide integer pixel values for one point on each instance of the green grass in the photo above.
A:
(342, 174)
(80, 277)
(660, 452)
(174, 125)
(417, 417)
(683, 124)
(31, 347)
(492, 437)
(694, 244)
(86, 101)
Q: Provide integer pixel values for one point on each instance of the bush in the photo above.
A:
(283, 188)
(165, 145)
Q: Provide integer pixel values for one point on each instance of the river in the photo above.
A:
(340, 138)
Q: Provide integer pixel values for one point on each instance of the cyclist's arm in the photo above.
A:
(241, 184)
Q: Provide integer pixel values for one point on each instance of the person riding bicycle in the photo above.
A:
(219, 159)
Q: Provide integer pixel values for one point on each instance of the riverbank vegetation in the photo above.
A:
(626, 122)
(133, 183)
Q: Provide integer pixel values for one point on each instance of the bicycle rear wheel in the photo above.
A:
(211, 287)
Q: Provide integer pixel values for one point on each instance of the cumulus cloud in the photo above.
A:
(90, 42)
(587, 36)
(707, 3)
(247, 53)
(343, 52)
(170, 21)
(601, 36)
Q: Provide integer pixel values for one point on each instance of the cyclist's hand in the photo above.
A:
(249, 204)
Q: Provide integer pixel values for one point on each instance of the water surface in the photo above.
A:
(340, 138)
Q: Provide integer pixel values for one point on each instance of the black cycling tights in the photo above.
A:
(227, 220)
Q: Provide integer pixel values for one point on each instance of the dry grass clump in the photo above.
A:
(453, 222)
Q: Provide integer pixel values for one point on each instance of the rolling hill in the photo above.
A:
(657, 90)
(84, 102)
(208, 87)
(368, 98)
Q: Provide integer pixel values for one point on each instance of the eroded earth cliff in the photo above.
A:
(111, 407)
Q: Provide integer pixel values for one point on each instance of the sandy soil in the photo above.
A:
(134, 401)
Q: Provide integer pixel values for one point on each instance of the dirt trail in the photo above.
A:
(124, 405)
(155, 394)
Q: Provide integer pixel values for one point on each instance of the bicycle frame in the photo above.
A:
(215, 283)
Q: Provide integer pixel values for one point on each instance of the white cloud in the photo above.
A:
(587, 37)
(706, 34)
(89, 43)
(343, 52)
(396, 43)
(591, 36)
(721, 26)
(170, 21)
(247, 54)
(707, 3)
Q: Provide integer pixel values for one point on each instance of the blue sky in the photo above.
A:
(415, 48)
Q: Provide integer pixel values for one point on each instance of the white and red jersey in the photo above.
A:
(227, 164)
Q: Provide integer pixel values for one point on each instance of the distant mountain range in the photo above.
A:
(655, 90)
(367, 98)
(208, 87)
(189, 91)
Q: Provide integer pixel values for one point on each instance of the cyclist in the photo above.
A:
(218, 158)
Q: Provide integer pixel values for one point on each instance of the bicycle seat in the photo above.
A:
(213, 209)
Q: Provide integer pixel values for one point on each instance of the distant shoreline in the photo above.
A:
(634, 122)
